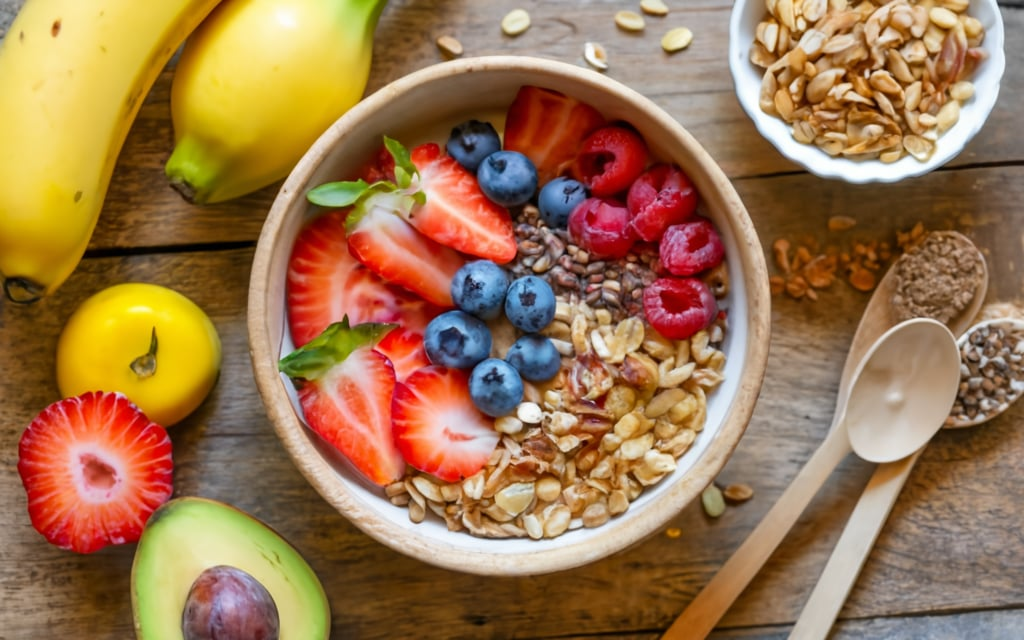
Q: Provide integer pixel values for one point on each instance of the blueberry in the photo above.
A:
(530, 304)
(558, 198)
(479, 288)
(456, 339)
(472, 141)
(534, 357)
(508, 178)
(495, 387)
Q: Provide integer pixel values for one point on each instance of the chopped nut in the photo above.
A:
(515, 22)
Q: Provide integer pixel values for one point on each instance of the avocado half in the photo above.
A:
(187, 535)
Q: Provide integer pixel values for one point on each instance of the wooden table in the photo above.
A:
(949, 563)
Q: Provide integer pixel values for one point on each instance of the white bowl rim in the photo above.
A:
(747, 79)
(613, 536)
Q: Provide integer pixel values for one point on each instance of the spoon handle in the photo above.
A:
(852, 549)
(698, 619)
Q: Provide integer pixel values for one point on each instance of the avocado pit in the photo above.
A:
(226, 603)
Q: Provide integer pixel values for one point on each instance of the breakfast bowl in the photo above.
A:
(530, 508)
(896, 95)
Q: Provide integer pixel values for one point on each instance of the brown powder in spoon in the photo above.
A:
(937, 278)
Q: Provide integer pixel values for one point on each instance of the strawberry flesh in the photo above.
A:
(344, 388)
(436, 426)
(548, 127)
(393, 249)
(404, 348)
(94, 468)
(325, 283)
(455, 212)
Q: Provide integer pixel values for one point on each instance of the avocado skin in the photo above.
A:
(189, 534)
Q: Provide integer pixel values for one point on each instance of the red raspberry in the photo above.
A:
(677, 308)
(662, 196)
(601, 226)
(691, 247)
(610, 159)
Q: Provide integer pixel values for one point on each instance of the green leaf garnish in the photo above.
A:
(331, 347)
(337, 194)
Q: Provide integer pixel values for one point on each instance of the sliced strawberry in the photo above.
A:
(94, 468)
(394, 250)
(404, 348)
(456, 212)
(325, 283)
(436, 426)
(548, 127)
(344, 387)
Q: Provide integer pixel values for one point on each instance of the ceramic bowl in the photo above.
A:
(746, 14)
(423, 106)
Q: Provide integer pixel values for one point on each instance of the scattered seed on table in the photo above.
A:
(654, 7)
(515, 22)
(595, 55)
(738, 492)
(713, 501)
(676, 39)
(629, 21)
(449, 47)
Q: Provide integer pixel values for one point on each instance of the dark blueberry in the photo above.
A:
(558, 198)
(530, 304)
(471, 142)
(495, 387)
(479, 288)
(456, 339)
(508, 178)
(534, 357)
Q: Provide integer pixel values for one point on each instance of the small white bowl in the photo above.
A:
(428, 103)
(746, 14)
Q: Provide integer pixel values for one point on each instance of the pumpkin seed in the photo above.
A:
(676, 39)
(629, 21)
(654, 7)
(713, 501)
(515, 22)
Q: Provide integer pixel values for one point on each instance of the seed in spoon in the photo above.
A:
(991, 372)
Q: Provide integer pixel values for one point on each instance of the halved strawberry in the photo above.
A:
(325, 283)
(404, 348)
(344, 387)
(548, 127)
(456, 212)
(436, 426)
(390, 247)
(94, 468)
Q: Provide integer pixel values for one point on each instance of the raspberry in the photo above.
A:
(601, 226)
(610, 159)
(677, 308)
(691, 247)
(661, 197)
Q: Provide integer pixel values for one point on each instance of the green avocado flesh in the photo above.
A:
(188, 535)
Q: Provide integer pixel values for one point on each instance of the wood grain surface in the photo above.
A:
(949, 563)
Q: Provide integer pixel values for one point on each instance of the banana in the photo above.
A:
(73, 74)
(257, 83)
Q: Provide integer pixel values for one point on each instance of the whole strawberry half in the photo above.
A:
(548, 127)
(436, 426)
(94, 468)
(344, 388)
(325, 283)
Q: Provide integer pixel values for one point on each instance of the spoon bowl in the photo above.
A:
(972, 379)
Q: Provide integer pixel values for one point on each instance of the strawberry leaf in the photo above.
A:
(337, 194)
(405, 170)
(337, 341)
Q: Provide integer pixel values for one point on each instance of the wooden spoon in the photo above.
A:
(900, 395)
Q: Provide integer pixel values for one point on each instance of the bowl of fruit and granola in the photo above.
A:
(508, 317)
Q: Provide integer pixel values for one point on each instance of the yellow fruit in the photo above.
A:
(73, 74)
(151, 343)
(257, 83)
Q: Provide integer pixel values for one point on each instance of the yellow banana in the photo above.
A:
(257, 83)
(73, 74)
